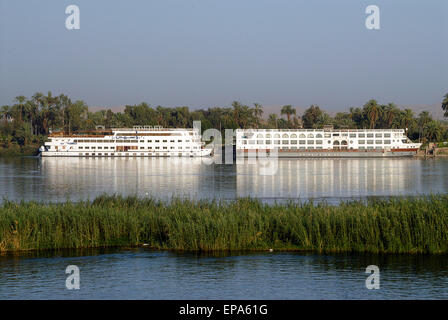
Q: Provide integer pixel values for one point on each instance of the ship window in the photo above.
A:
(344, 142)
(387, 135)
(293, 141)
(362, 141)
(293, 135)
(336, 143)
(157, 147)
(142, 148)
(310, 147)
(251, 141)
(171, 140)
(310, 141)
(276, 135)
(370, 135)
(327, 135)
(352, 135)
(179, 140)
(335, 134)
(285, 142)
(301, 135)
(369, 141)
(301, 141)
(268, 141)
(277, 141)
(361, 135)
(378, 141)
(259, 141)
(318, 141)
(80, 147)
(320, 148)
(157, 140)
(165, 148)
(285, 135)
(244, 142)
(378, 135)
(310, 135)
(386, 141)
(142, 141)
(318, 135)
(361, 148)
(165, 140)
(268, 135)
(259, 135)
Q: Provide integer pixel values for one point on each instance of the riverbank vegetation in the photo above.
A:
(28, 121)
(397, 225)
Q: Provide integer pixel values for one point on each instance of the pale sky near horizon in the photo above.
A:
(204, 53)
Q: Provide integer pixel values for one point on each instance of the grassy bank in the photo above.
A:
(19, 151)
(397, 225)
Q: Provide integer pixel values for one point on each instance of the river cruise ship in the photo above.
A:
(326, 143)
(140, 141)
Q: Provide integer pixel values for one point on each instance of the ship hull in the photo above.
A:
(329, 154)
(202, 153)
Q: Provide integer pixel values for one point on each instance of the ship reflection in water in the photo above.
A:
(60, 179)
(335, 179)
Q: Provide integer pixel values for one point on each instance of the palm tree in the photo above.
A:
(390, 113)
(20, 100)
(445, 105)
(5, 112)
(272, 121)
(423, 118)
(407, 117)
(373, 112)
(288, 110)
(432, 131)
(258, 112)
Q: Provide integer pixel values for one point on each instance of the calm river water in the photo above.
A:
(146, 274)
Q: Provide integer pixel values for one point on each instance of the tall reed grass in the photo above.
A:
(395, 225)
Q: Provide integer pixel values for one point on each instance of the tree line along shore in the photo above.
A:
(415, 225)
(26, 123)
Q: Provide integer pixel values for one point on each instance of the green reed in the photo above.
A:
(395, 225)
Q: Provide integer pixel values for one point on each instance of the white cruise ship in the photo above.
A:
(140, 141)
(290, 143)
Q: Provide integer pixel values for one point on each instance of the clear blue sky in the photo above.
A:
(203, 53)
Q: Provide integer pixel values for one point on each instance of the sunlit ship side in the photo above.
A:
(140, 141)
(326, 143)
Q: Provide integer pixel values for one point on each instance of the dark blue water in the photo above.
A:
(146, 274)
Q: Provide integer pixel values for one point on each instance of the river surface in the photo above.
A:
(147, 274)
(332, 180)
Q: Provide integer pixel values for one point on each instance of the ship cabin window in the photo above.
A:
(318, 135)
(142, 141)
(302, 135)
(100, 147)
(345, 134)
(285, 142)
(251, 141)
(171, 140)
(294, 136)
(303, 148)
(404, 140)
(361, 135)
(378, 142)
(369, 141)
(80, 147)
(361, 148)
(387, 135)
(277, 141)
(285, 136)
(260, 136)
(320, 148)
(244, 142)
(179, 140)
(157, 141)
(310, 148)
(87, 147)
(171, 147)
(378, 135)
(302, 141)
(370, 135)
(164, 140)
(157, 147)
(318, 141)
(344, 142)
(142, 148)
(259, 141)
(327, 135)
(386, 141)
(268, 135)
(180, 148)
(268, 141)
(165, 148)
(187, 140)
(310, 141)
(293, 148)
(293, 141)
(310, 135)
(362, 141)
(276, 135)
(335, 134)
(352, 135)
